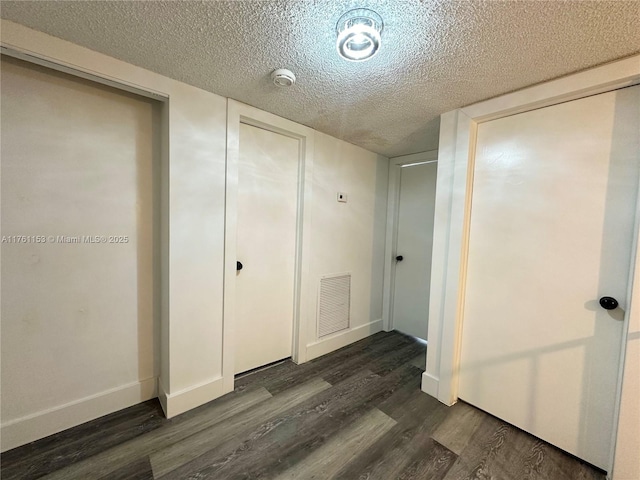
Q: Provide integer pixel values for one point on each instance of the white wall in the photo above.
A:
(347, 237)
(196, 177)
(77, 160)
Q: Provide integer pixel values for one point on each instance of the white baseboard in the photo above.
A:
(162, 396)
(179, 402)
(42, 424)
(430, 384)
(342, 339)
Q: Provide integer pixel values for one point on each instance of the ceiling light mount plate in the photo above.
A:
(283, 77)
(359, 32)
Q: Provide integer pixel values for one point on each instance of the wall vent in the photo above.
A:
(334, 303)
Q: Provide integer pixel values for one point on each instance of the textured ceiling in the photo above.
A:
(436, 55)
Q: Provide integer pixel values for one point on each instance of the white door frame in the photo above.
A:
(458, 131)
(391, 241)
(238, 113)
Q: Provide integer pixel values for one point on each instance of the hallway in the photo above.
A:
(357, 413)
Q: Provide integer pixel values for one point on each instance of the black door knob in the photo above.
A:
(239, 265)
(608, 303)
(399, 258)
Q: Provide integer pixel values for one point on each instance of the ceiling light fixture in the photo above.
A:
(359, 34)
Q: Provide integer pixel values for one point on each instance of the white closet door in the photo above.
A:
(267, 206)
(553, 207)
(414, 244)
(78, 304)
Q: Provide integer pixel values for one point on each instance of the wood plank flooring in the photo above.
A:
(357, 413)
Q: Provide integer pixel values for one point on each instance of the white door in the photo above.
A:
(266, 244)
(77, 312)
(414, 244)
(553, 206)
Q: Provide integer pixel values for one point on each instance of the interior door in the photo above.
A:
(414, 244)
(266, 245)
(78, 301)
(554, 195)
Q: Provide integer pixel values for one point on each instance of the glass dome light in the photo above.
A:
(359, 34)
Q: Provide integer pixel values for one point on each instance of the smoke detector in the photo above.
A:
(283, 77)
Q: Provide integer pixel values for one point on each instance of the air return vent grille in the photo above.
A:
(334, 303)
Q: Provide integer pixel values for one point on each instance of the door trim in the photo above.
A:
(458, 131)
(238, 113)
(393, 204)
(77, 71)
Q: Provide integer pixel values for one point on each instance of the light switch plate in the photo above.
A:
(342, 197)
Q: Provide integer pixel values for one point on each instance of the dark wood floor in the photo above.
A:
(357, 413)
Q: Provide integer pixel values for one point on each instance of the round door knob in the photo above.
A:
(239, 266)
(608, 303)
(399, 258)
